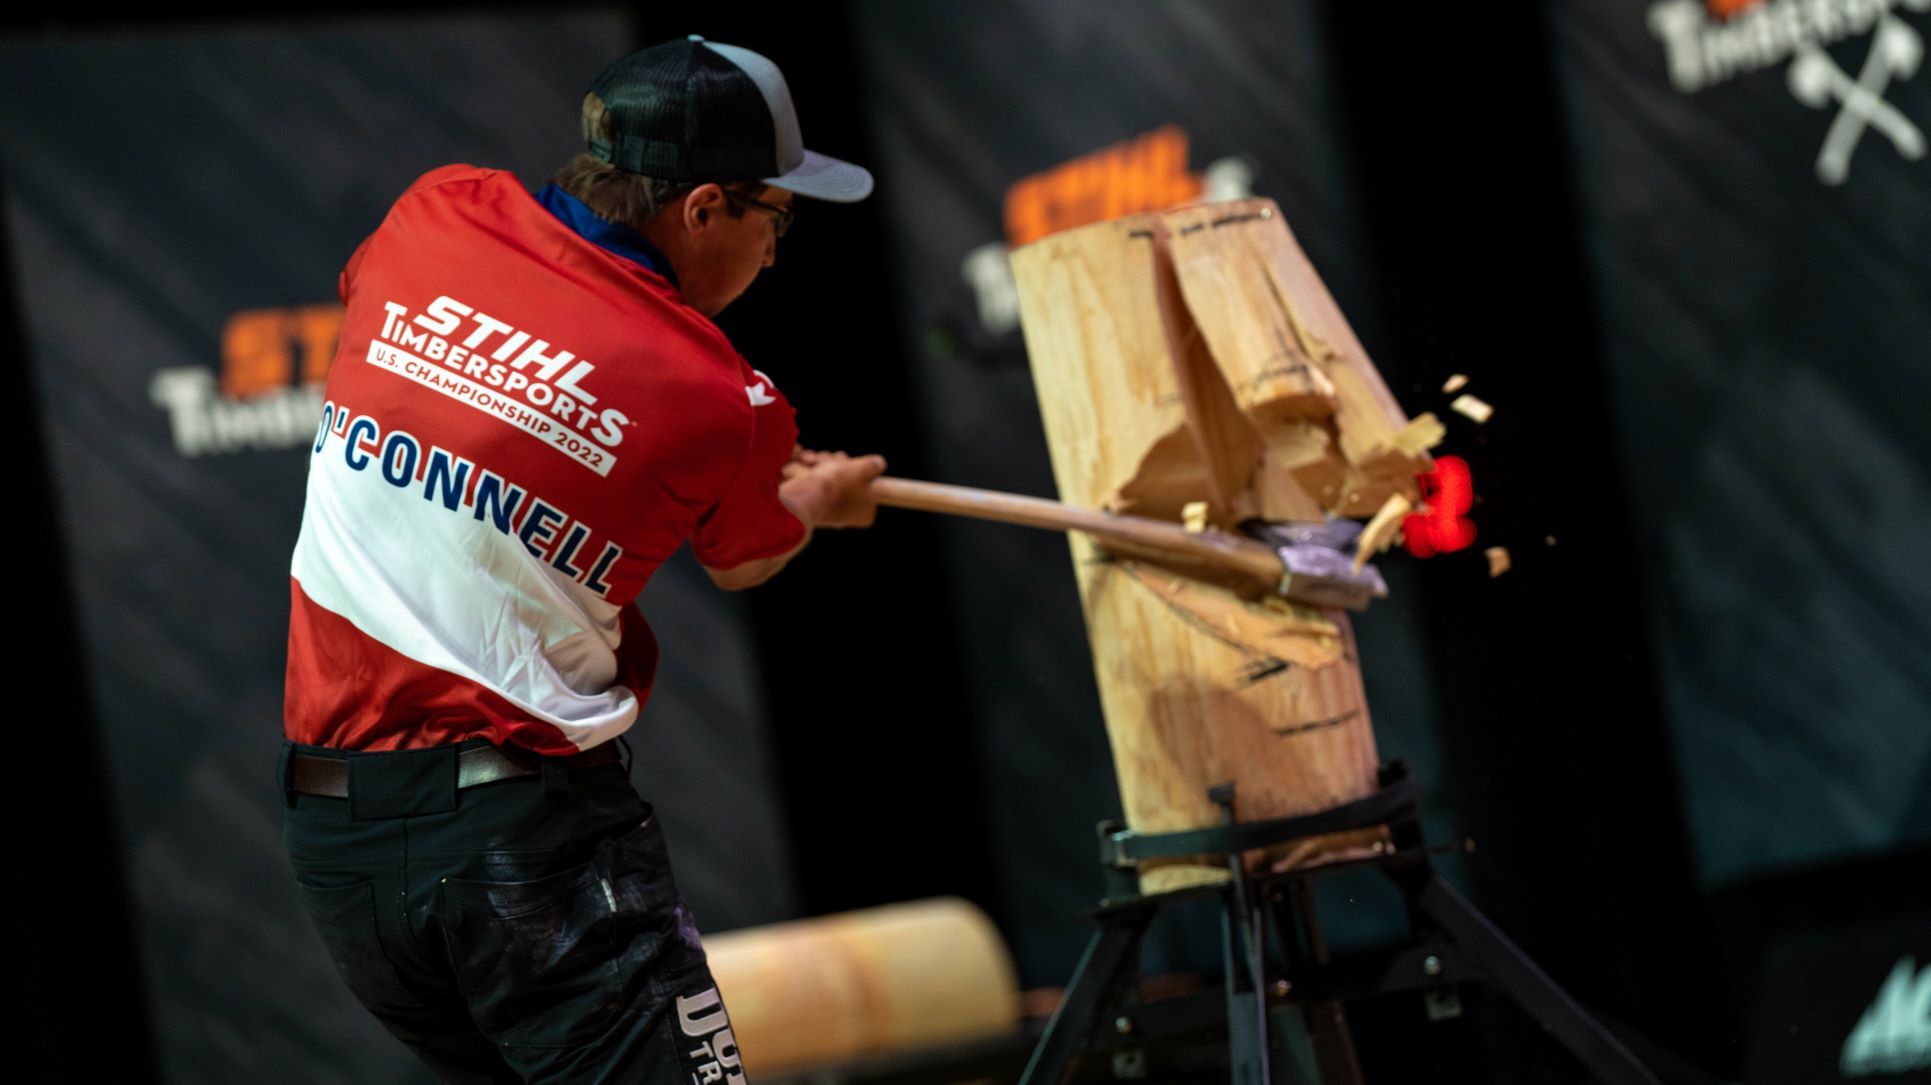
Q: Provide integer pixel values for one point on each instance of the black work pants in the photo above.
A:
(523, 930)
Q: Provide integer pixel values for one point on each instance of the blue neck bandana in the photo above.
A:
(610, 236)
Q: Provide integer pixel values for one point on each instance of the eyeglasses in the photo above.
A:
(781, 216)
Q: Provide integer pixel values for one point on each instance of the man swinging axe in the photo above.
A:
(530, 410)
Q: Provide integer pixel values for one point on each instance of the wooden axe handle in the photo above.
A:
(1144, 534)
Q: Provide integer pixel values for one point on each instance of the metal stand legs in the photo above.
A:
(1287, 1026)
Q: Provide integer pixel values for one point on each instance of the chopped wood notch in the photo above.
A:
(1282, 415)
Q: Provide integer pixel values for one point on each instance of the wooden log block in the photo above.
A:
(871, 982)
(1194, 356)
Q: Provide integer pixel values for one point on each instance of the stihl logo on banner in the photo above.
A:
(268, 391)
(1143, 174)
(1146, 173)
(1706, 44)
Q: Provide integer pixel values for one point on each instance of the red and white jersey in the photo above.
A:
(520, 426)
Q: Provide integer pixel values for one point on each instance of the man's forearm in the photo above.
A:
(832, 490)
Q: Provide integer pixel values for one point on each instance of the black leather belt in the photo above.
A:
(312, 774)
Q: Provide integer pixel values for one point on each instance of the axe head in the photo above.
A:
(1324, 577)
(1334, 533)
(1317, 559)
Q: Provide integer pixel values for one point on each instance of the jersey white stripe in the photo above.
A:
(448, 590)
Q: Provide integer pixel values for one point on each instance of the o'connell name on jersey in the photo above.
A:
(519, 428)
(441, 477)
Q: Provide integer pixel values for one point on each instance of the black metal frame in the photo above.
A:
(1288, 1027)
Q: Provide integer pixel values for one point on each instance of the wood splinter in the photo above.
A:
(1193, 517)
(1471, 407)
(1498, 560)
(1380, 532)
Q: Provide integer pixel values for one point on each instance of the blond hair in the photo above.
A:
(616, 195)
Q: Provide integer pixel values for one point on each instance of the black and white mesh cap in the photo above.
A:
(695, 110)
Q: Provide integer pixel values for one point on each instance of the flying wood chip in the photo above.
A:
(1381, 530)
(1454, 384)
(1193, 516)
(1498, 560)
(1471, 407)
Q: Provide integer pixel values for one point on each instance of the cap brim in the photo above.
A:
(823, 177)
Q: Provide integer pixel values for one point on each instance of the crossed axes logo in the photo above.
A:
(1703, 50)
(1817, 81)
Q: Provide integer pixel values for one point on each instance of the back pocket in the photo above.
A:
(538, 960)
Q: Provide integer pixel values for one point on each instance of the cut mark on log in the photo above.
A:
(1262, 669)
(1295, 368)
(1317, 725)
(1100, 555)
(1311, 345)
(1251, 216)
(1187, 615)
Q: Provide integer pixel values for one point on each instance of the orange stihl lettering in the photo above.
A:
(260, 347)
(254, 354)
(1148, 173)
(1724, 9)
